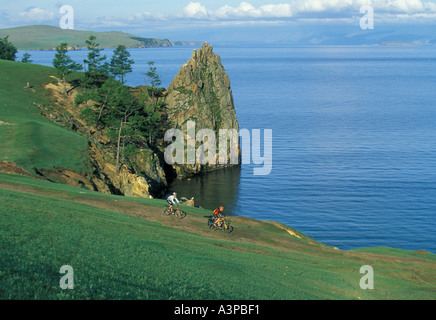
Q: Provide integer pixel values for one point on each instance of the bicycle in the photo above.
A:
(220, 224)
(177, 212)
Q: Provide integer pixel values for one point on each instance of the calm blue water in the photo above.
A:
(354, 139)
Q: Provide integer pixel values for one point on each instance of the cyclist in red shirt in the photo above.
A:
(218, 213)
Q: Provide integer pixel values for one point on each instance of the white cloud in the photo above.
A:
(430, 6)
(136, 20)
(321, 5)
(140, 16)
(405, 6)
(36, 15)
(244, 10)
(195, 10)
(247, 10)
(277, 10)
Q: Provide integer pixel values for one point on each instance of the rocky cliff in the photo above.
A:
(143, 176)
(201, 92)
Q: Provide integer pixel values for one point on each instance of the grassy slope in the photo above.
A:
(145, 255)
(28, 139)
(48, 37)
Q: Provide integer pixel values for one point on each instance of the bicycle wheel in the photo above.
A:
(227, 228)
(166, 210)
(212, 226)
(180, 214)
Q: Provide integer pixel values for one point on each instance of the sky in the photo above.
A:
(281, 21)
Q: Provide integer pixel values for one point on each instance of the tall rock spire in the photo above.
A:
(201, 92)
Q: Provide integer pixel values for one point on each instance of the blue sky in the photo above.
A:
(312, 21)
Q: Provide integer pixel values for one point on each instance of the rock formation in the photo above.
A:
(201, 92)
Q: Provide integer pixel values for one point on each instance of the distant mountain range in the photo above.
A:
(42, 37)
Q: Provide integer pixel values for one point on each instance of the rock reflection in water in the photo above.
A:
(211, 189)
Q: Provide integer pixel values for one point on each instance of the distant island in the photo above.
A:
(43, 37)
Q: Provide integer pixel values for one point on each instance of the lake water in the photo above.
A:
(354, 139)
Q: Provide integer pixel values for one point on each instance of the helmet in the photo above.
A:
(174, 193)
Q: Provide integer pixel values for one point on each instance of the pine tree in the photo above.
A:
(120, 64)
(153, 76)
(152, 106)
(26, 58)
(64, 64)
(7, 49)
(97, 65)
(154, 79)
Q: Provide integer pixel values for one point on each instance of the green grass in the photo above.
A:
(48, 37)
(29, 139)
(118, 256)
(398, 252)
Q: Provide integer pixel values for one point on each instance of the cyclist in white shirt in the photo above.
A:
(172, 199)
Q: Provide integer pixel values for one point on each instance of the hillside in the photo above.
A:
(43, 37)
(124, 248)
(31, 140)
